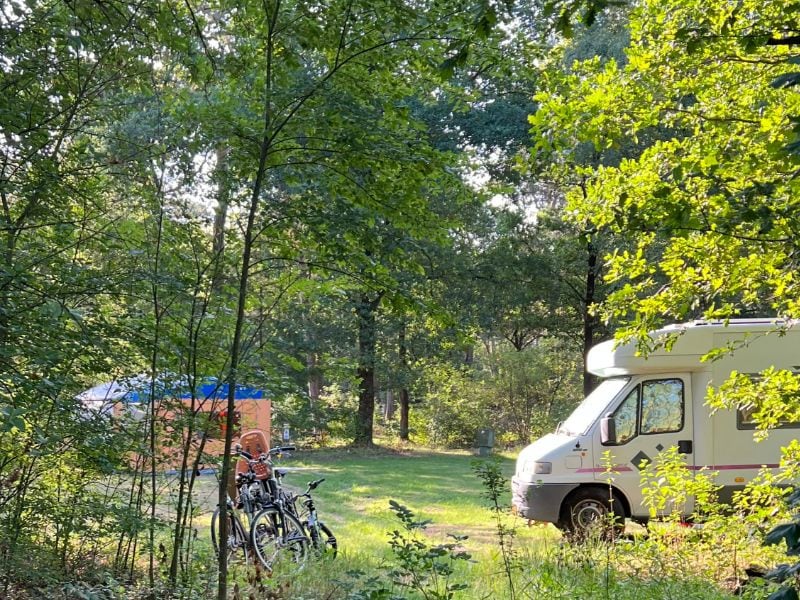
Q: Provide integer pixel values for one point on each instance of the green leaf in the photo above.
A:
(564, 23)
(693, 45)
(779, 574)
(486, 23)
(751, 43)
(449, 65)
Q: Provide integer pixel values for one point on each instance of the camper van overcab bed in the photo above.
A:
(646, 405)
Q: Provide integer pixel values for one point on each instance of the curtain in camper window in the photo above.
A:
(625, 417)
(662, 406)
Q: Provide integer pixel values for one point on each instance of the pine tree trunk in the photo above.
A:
(404, 406)
(367, 338)
(404, 396)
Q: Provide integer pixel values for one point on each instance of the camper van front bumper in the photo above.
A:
(539, 501)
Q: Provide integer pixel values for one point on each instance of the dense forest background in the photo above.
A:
(404, 221)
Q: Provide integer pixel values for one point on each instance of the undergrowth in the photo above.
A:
(421, 559)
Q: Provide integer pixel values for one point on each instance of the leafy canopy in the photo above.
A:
(720, 186)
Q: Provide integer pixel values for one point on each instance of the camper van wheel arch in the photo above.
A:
(586, 508)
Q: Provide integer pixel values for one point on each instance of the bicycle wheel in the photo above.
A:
(322, 540)
(278, 540)
(237, 539)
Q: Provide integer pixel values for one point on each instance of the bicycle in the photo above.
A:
(253, 495)
(322, 539)
(276, 535)
(238, 542)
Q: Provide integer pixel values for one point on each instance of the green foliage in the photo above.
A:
(521, 395)
(709, 198)
(495, 487)
(123, 129)
(723, 544)
(728, 212)
(365, 586)
(334, 413)
(771, 398)
(85, 591)
(203, 190)
(420, 566)
(786, 535)
(670, 489)
(451, 411)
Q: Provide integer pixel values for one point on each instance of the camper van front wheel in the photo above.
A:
(587, 510)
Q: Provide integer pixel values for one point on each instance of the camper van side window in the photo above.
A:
(744, 414)
(745, 420)
(626, 416)
(662, 406)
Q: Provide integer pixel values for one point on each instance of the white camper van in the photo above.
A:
(645, 405)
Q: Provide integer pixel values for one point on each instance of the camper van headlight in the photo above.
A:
(542, 468)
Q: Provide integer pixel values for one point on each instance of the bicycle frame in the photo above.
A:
(322, 539)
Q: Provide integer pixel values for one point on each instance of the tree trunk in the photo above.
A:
(241, 302)
(404, 405)
(314, 378)
(388, 407)
(233, 372)
(404, 397)
(220, 214)
(367, 338)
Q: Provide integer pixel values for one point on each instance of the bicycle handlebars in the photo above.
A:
(271, 452)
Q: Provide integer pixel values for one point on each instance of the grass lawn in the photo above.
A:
(441, 486)
(354, 499)
(354, 502)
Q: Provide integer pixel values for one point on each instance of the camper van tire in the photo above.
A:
(586, 513)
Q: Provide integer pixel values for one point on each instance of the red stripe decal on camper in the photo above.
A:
(624, 469)
(614, 469)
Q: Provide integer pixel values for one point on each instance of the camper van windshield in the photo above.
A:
(593, 406)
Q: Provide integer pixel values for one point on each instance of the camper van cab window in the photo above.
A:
(589, 411)
(656, 406)
(626, 416)
(662, 406)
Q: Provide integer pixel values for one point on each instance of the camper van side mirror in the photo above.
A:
(608, 430)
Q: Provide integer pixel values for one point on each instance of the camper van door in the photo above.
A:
(651, 414)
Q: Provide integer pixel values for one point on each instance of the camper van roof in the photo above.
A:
(689, 343)
(730, 323)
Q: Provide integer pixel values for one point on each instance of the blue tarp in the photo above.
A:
(136, 389)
